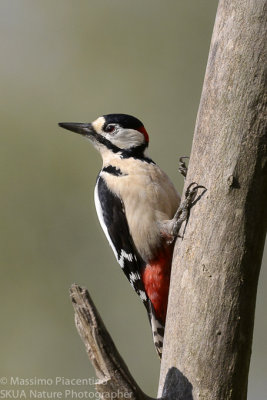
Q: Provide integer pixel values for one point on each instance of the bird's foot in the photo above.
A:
(171, 228)
(182, 166)
(182, 214)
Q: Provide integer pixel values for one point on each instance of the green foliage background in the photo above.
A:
(69, 60)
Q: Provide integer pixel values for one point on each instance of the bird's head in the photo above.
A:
(120, 133)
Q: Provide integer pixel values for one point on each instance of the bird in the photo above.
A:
(135, 202)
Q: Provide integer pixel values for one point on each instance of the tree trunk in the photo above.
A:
(209, 328)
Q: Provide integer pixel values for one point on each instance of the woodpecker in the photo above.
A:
(135, 201)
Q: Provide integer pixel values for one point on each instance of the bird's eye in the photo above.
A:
(110, 128)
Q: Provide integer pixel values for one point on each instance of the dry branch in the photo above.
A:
(114, 378)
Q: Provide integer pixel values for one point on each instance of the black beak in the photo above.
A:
(82, 129)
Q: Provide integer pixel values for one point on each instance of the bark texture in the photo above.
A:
(216, 265)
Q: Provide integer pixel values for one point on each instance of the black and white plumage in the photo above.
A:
(112, 218)
(134, 198)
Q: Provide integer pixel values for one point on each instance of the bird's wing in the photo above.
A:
(113, 221)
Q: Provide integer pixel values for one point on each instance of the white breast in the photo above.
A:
(149, 197)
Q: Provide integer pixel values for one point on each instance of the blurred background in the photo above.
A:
(69, 60)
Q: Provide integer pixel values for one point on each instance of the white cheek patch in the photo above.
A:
(126, 138)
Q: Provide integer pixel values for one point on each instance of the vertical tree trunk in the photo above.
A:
(216, 265)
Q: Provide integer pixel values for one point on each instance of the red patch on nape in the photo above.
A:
(142, 129)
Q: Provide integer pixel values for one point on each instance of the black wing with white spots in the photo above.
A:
(111, 214)
(112, 218)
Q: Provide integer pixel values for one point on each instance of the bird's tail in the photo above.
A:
(157, 329)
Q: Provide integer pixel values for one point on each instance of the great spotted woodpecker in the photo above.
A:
(135, 203)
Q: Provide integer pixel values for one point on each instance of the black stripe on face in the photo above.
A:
(136, 153)
(102, 140)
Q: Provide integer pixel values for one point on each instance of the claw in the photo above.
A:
(183, 212)
(182, 166)
(190, 192)
(170, 229)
